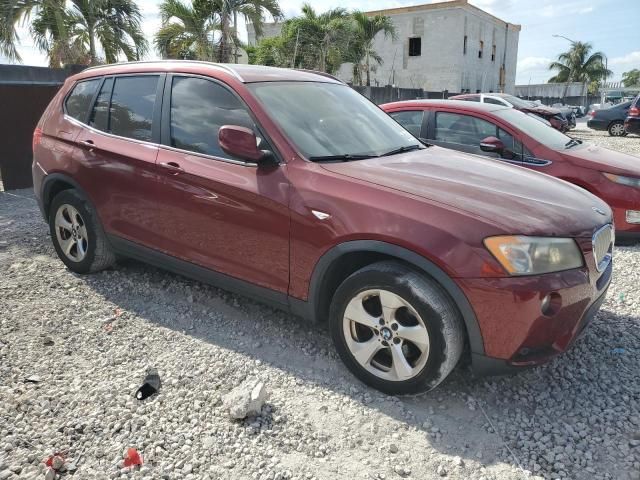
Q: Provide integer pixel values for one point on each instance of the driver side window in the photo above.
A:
(462, 129)
(199, 108)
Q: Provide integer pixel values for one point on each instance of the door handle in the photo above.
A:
(88, 144)
(173, 167)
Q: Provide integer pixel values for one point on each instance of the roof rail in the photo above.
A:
(221, 66)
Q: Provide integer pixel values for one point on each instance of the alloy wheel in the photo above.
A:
(617, 129)
(71, 232)
(386, 335)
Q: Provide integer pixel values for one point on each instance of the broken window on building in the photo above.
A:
(481, 49)
(415, 47)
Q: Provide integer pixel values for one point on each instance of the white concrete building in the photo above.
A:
(449, 45)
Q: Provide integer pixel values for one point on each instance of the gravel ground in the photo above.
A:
(74, 349)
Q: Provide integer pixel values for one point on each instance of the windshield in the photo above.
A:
(537, 130)
(518, 102)
(331, 120)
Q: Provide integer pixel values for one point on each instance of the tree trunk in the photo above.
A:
(92, 45)
(223, 53)
(368, 70)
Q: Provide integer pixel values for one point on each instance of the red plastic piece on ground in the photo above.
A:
(133, 458)
(49, 461)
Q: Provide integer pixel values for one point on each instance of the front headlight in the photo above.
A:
(521, 255)
(622, 180)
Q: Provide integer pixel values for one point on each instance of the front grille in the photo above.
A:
(602, 243)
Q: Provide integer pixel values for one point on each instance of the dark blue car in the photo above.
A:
(610, 119)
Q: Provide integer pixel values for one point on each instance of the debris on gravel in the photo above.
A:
(246, 399)
(576, 418)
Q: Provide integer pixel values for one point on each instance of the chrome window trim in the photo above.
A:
(606, 260)
(158, 145)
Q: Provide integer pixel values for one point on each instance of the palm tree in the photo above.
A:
(112, 25)
(631, 78)
(252, 11)
(366, 28)
(580, 65)
(187, 31)
(323, 39)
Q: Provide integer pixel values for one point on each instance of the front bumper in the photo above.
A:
(514, 330)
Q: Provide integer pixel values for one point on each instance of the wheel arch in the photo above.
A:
(53, 184)
(345, 258)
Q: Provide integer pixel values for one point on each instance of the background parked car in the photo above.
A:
(610, 119)
(521, 139)
(632, 122)
(552, 115)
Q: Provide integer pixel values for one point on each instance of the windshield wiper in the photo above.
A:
(572, 143)
(407, 148)
(340, 158)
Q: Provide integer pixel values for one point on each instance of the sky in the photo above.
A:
(610, 25)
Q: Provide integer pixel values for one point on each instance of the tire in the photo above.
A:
(616, 129)
(78, 223)
(414, 302)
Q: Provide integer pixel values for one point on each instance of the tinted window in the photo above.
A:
(494, 101)
(198, 109)
(462, 129)
(132, 106)
(475, 98)
(100, 114)
(410, 119)
(77, 104)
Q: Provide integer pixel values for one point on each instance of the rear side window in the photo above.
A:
(494, 101)
(411, 120)
(100, 114)
(199, 108)
(132, 103)
(78, 102)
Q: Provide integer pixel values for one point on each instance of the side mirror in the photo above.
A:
(240, 142)
(492, 144)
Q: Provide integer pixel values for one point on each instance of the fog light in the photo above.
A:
(633, 216)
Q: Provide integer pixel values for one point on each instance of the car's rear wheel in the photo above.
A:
(77, 234)
(396, 329)
(616, 129)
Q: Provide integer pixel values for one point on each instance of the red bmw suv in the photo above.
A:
(290, 187)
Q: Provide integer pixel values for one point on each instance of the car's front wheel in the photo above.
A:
(396, 329)
(616, 129)
(77, 234)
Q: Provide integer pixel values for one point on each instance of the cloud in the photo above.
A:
(533, 63)
(629, 61)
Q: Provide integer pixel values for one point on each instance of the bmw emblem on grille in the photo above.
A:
(597, 210)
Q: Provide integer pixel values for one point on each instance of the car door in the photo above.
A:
(117, 151)
(219, 212)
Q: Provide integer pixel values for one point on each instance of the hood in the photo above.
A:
(544, 110)
(513, 199)
(603, 159)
